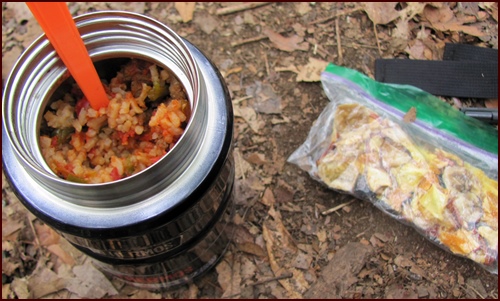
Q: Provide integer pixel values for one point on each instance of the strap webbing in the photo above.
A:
(469, 71)
(465, 52)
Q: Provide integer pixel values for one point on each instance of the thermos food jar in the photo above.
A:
(157, 228)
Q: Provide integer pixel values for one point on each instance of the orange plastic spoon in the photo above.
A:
(59, 27)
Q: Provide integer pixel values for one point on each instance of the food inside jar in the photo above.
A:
(146, 116)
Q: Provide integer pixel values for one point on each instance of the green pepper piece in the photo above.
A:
(73, 178)
(157, 91)
(129, 166)
(64, 134)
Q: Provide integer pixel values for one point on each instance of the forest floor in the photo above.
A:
(269, 56)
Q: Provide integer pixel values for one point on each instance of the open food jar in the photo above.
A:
(164, 224)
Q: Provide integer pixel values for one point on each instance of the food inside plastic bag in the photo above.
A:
(362, 147)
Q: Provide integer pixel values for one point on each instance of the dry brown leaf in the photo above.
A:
(288, 44)
(443, 19)
(265, 100)
(145, 294)
(20, 287)
(321, 234)
(90, 282)
(6, 292)
(416, 49)
(9, 226)
(8, 267)
(402, 262)
(283, 193)
(299, 281)
(185, 10)
(193, 291)
(382, 237)
(281, 250)
(251, 117)
(241, 166)
(302, 8)
(228, 276)
(243, 195)
(302, 261)
(491, 103)
(224, 275)
(206, 22)
(418, 271)
(278, 121)
(268, 198)
(376, 242)
(491, 8)
(312, 71)
(438, 16)
(275, 267)
(291, 68)
(412, 9)
(290, 207)
(381, 12)
(251, 248)
(59, 252)
(248, 268)
(44, 281)
(46, 235)
(364, 241)
(21, 11)
(240, 234)
(256, 158)
(473, 29)
(411, 115)
(256, 182)
(231, 71)
(400, 35)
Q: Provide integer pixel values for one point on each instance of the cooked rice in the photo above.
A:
(146, 116)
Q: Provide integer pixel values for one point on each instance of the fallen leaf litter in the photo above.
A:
(273, 255)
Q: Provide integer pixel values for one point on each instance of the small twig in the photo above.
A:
(39, 246)
(239, 7)
(376, 37)
(238, 100)
(493, 295)
(356, 45)
(266, 62)
(362, 233)
(475, 291)
(241, 168)
(336, 208)
(251, 40)
(284, 276)
(232, 296)
(347, 12)
(339, 46)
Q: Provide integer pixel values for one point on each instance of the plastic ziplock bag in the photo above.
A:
(437, 171)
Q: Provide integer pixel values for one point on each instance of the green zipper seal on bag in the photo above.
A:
(430, 109)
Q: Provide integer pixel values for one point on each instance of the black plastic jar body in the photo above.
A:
(155, 229)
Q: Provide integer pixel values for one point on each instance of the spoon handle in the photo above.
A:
(59, 27)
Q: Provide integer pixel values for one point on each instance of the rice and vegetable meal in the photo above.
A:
(452, 202)
(147, 114)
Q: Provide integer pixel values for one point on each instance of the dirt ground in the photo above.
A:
(263, 52)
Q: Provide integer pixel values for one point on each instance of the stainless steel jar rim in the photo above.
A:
(111, 208)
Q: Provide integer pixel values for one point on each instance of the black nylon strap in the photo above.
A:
(472, 79)
(465, 52)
